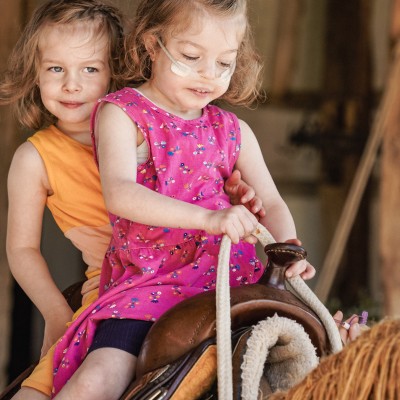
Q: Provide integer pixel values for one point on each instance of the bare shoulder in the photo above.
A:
(113, 122)
(27, 167)
(110, 112)
(26, 156)
(249, 140)
(246, 131)
(28, 189)
(244, 125)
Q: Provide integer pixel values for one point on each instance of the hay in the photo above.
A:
(368, 368)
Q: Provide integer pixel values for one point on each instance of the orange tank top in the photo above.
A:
(77, 203)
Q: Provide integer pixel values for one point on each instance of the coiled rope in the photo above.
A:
(223, 315)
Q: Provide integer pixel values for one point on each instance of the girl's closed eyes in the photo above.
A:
(195, 59)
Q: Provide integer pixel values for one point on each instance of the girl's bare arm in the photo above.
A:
(278, 219)
(117, 140)
(27, 192)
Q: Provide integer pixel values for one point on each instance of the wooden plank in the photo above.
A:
(389, 228)
(346, 111)
(287, 38)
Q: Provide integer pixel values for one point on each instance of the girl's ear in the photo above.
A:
(150, 42)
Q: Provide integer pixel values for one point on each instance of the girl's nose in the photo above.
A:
(71, 83)
(208, 70)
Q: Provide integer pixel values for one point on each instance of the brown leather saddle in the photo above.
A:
(185, 334)
(178, 357)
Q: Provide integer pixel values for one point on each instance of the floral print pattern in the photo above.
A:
(149, 269)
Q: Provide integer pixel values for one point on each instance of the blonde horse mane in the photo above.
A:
(368, 368)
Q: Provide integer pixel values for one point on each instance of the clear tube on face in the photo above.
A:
(183, 70)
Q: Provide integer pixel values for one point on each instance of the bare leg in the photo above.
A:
(104, 375)
(27, 393)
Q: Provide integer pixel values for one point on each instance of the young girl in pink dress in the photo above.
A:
(164, 151)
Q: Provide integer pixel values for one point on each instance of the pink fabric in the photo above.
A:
(149, 269)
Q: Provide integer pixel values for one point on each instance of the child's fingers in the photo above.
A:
(295, 269)
(261, 213)
(243, 226)
(349, 329)
(338, 317)
(248, 196)
(250, 239)
(236, 176)
(235, 231)
(296, 242)
(302, 268)
(232, 233)
(309, 272)
(255, 205)
(233, 181)
(341, 325)
(354, 331)
(231, 186)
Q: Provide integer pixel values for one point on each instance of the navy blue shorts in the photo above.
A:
(123, 334)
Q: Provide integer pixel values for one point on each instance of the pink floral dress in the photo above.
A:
(149, 269)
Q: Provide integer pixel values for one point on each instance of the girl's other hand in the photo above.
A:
(349, 329)
(302, 267)
(54, 329)
(237, 222)
(240, 192)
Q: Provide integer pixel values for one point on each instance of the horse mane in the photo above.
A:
(368, 368)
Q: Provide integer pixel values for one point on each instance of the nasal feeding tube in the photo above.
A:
(183, 70)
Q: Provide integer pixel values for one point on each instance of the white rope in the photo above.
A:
(223, 315)
(308, 297)
(223, 323)
(304, 293)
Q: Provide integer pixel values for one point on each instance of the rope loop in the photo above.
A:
(223, 322)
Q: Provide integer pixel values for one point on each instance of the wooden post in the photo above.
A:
(289, 15)
(346, 111)
(390, 183)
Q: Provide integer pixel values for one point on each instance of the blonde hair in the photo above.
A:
(368, 368)
(19, 86)
(158, 17)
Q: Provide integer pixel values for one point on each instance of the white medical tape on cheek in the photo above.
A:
(183, 70)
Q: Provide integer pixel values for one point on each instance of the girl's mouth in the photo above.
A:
(200, 92)
(71, 104)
